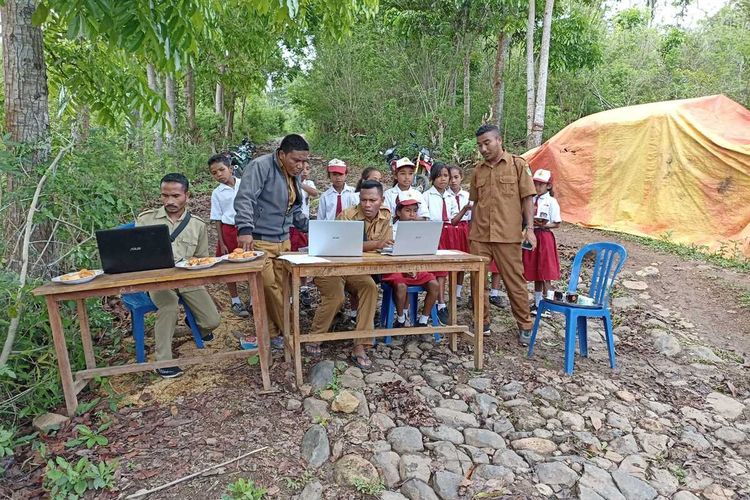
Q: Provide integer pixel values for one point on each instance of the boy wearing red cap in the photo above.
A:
(339, 196)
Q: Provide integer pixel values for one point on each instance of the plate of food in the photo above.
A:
(239, 255)
(196, 263)
(78, 277)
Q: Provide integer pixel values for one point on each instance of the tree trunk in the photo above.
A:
(229, 117)
(82, 126)
(153, 84)
(530, 69)
(190, 104)
(541, 86)
(26, 106)
(467, 86)
(171, 94)
(498, 80)
(219, 99)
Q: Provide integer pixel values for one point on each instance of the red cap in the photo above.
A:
(337, 166)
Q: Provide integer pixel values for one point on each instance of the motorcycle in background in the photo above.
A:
(240, 156)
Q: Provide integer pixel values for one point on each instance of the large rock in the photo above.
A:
(382, 422)
(455, 418)
(498, 472)
(316, 409)
(556, 473)
(537, 445)
(321, 374)
(454, 404)
(452, 459)
(572, 421)
(653, 444)
(511, 460)
(377, 378)
(635, 285)
(548, 393)
(387, 464)
(315, 447)
(684, 495)
(480, 383)
(345, 402)
(392, 495)
(351, 467)
(482, 438)
(443, 433)
(633, 488)
(730, 435)
(598, 481)
(486, 404)
(414, 466)
(415, 489)
(446, 484)
(725, 406)
(405, 439)
(702, 354)
(667, 345)
(437, 379)
(664, 482)
(47, 422)
(624, 445)
(312, 491)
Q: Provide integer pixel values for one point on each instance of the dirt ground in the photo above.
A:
(166, 429)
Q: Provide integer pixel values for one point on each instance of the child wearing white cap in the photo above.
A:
(542, 265)
(404, 175)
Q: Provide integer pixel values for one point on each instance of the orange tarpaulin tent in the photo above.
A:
(676, 168)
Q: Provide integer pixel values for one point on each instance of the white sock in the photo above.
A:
(401, 318)
(494, 292)
(459, 289)
(441, 306)
(537, 298)
(236, 300)
(423, 319)
(353, 313)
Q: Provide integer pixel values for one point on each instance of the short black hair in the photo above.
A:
(293, 142)
(487, 127)
(372, 185)
(178, 178)
(222, 158)
(436, 169)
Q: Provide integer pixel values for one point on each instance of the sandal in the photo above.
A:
(313, 349)
(361, 361)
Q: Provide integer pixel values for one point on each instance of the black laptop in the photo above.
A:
(135, 249)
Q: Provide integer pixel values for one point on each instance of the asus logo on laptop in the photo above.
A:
(135, 249)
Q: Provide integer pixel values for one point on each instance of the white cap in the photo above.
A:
(542, 175)
(404, 162)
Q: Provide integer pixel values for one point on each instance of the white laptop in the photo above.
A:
(336, 238)
(416, 238)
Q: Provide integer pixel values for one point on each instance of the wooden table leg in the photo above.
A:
(453, 308)
(63, 362)
(285, 297)
(479, 317)
(88, 346)
(261, 327)
(295, 327)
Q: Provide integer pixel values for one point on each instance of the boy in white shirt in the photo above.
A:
(404, 177)
(339, 196)
(222, 213)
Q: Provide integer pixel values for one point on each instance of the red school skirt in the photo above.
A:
(542, 263)
(297, 238)
(229, 235)
(421, 278)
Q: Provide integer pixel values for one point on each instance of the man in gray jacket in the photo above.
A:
(267, 203)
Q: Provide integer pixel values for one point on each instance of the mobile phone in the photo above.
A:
(526, 245)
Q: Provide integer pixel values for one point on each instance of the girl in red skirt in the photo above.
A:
(462, 200)
(407, 209)
(297, 238)
(441, 205)
(542, 264)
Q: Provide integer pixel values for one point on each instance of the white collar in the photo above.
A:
(224, 187)
(347, 188)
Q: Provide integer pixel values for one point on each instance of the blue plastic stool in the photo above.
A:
(609, 259)
(139, 304)
(388, 308)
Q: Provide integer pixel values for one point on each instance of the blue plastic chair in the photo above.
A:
(388, 308)
(139, 304)
(609, 259)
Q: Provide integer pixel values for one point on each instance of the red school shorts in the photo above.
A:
(229, 235)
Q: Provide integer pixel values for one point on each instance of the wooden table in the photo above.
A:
(375, 263)
(144, 281)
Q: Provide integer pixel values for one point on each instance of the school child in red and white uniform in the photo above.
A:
(340, 195)
(297, 238)
(407, 209)
(441, 205)
(462, 200)
(542, 265)
(402, 189)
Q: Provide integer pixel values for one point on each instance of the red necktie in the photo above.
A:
(458, 202)
(445, 211)
(338, 205)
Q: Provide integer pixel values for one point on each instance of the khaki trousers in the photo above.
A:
(272, 283)
(508, 258)
(332, 298)
(197, 299)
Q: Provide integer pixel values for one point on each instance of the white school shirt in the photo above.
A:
(306, 197)
(433, 201)
(327, 206)
(547, 208)
(222, 202)
(462, 198)
(394, 193)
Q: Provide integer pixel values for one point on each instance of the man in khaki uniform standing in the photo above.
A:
(191, 241)
(378, 235)
(502, 192)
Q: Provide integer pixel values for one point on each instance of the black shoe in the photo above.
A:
(443, 316)
(423, 324)
(533, 309)
(498, 301)
(399, 324)
(207, 337)
(487, 329)
(305, 298)
(171, 372)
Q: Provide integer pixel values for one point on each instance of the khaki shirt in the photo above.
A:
(497, 191)
(289, 185)
(378, 229)
(191, 242)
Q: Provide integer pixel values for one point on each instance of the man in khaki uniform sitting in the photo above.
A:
(378, 234)
(191, 241)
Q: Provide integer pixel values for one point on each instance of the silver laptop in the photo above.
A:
(336, 238)
(416, 238)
